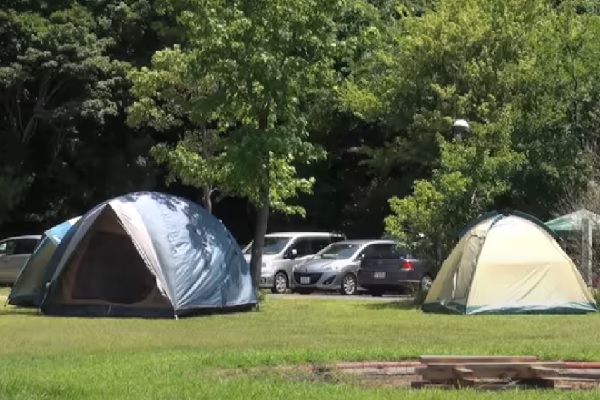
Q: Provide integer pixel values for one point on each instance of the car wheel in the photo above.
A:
(426, 283)
(280, 283)
(349, 285)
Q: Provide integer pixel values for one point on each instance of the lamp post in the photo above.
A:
(460, 129)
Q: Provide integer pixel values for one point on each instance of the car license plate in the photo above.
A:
(305, 280)
(379, 275)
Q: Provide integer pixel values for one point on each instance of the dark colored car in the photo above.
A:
(394, 270)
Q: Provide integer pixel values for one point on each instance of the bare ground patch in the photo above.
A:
(400, 375)
(368, 375)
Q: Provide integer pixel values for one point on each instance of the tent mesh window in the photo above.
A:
(112, 270)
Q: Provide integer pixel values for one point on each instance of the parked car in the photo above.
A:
(335, 267)
(285, 249)
(394, 269)
(14, 253)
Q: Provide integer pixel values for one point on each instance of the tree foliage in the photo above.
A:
(519, 72)
(55, 73)
(248, 70)
(245, 99)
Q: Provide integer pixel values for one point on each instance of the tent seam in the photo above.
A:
(496, 219)
(140, 251)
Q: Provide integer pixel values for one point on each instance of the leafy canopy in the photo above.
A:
(500, 65)
(250, 70)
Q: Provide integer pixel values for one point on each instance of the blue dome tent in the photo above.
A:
(147, 254)
(30, 285)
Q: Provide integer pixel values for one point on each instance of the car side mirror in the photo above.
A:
(292, 254)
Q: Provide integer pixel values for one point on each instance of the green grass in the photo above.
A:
(76, 358)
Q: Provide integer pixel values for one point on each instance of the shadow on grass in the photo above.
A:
(20, 311)
(393, 305)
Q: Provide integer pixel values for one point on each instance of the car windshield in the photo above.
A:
(273, 245)
(339, 251)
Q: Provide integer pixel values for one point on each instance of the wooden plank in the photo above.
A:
(570, 379)
(497, 386)
(544, 372)
(474, 359)
(429, 385)
(580, 373)
(508, 370)
(463, 372)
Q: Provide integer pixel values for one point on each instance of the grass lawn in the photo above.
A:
(200, 358)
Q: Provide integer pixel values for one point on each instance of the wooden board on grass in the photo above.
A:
(474, 359)
(501, 370)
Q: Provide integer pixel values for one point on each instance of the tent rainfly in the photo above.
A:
(574, 221)
(508, 264)
(30, 285)
(147, 254)
(582, 222)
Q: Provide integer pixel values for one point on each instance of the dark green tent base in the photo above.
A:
(444, 308)
(99, 311)
(564, 309)
(25, 300)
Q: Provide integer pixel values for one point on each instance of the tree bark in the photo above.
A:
(258, 244)
(262, 214)
(206, 198)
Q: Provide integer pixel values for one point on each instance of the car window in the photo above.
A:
(319, 244)
(7, 247)
(273, 245)
(25, 246)
(383, 250)
(365, 251)
(303, 247)
(339, 251)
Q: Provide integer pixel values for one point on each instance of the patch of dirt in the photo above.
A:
(364, 375)
(398, 375)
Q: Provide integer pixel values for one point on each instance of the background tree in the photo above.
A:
(63, 92)
(474, 60)
(171, 97)
(269, 60)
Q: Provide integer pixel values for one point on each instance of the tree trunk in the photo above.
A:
(206, 199)
(262, 215)
(258, 244)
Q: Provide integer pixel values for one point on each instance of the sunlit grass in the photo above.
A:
(52, 357)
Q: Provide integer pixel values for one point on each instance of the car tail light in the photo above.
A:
(407, 265)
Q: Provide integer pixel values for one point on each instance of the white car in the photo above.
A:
(283, 250)
(14, 253)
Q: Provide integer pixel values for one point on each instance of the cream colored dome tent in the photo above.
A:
(508, 263)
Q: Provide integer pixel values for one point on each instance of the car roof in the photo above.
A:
(366, 241)
(302, 234)
(36, 237)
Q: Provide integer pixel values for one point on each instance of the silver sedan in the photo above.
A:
(335, 267)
